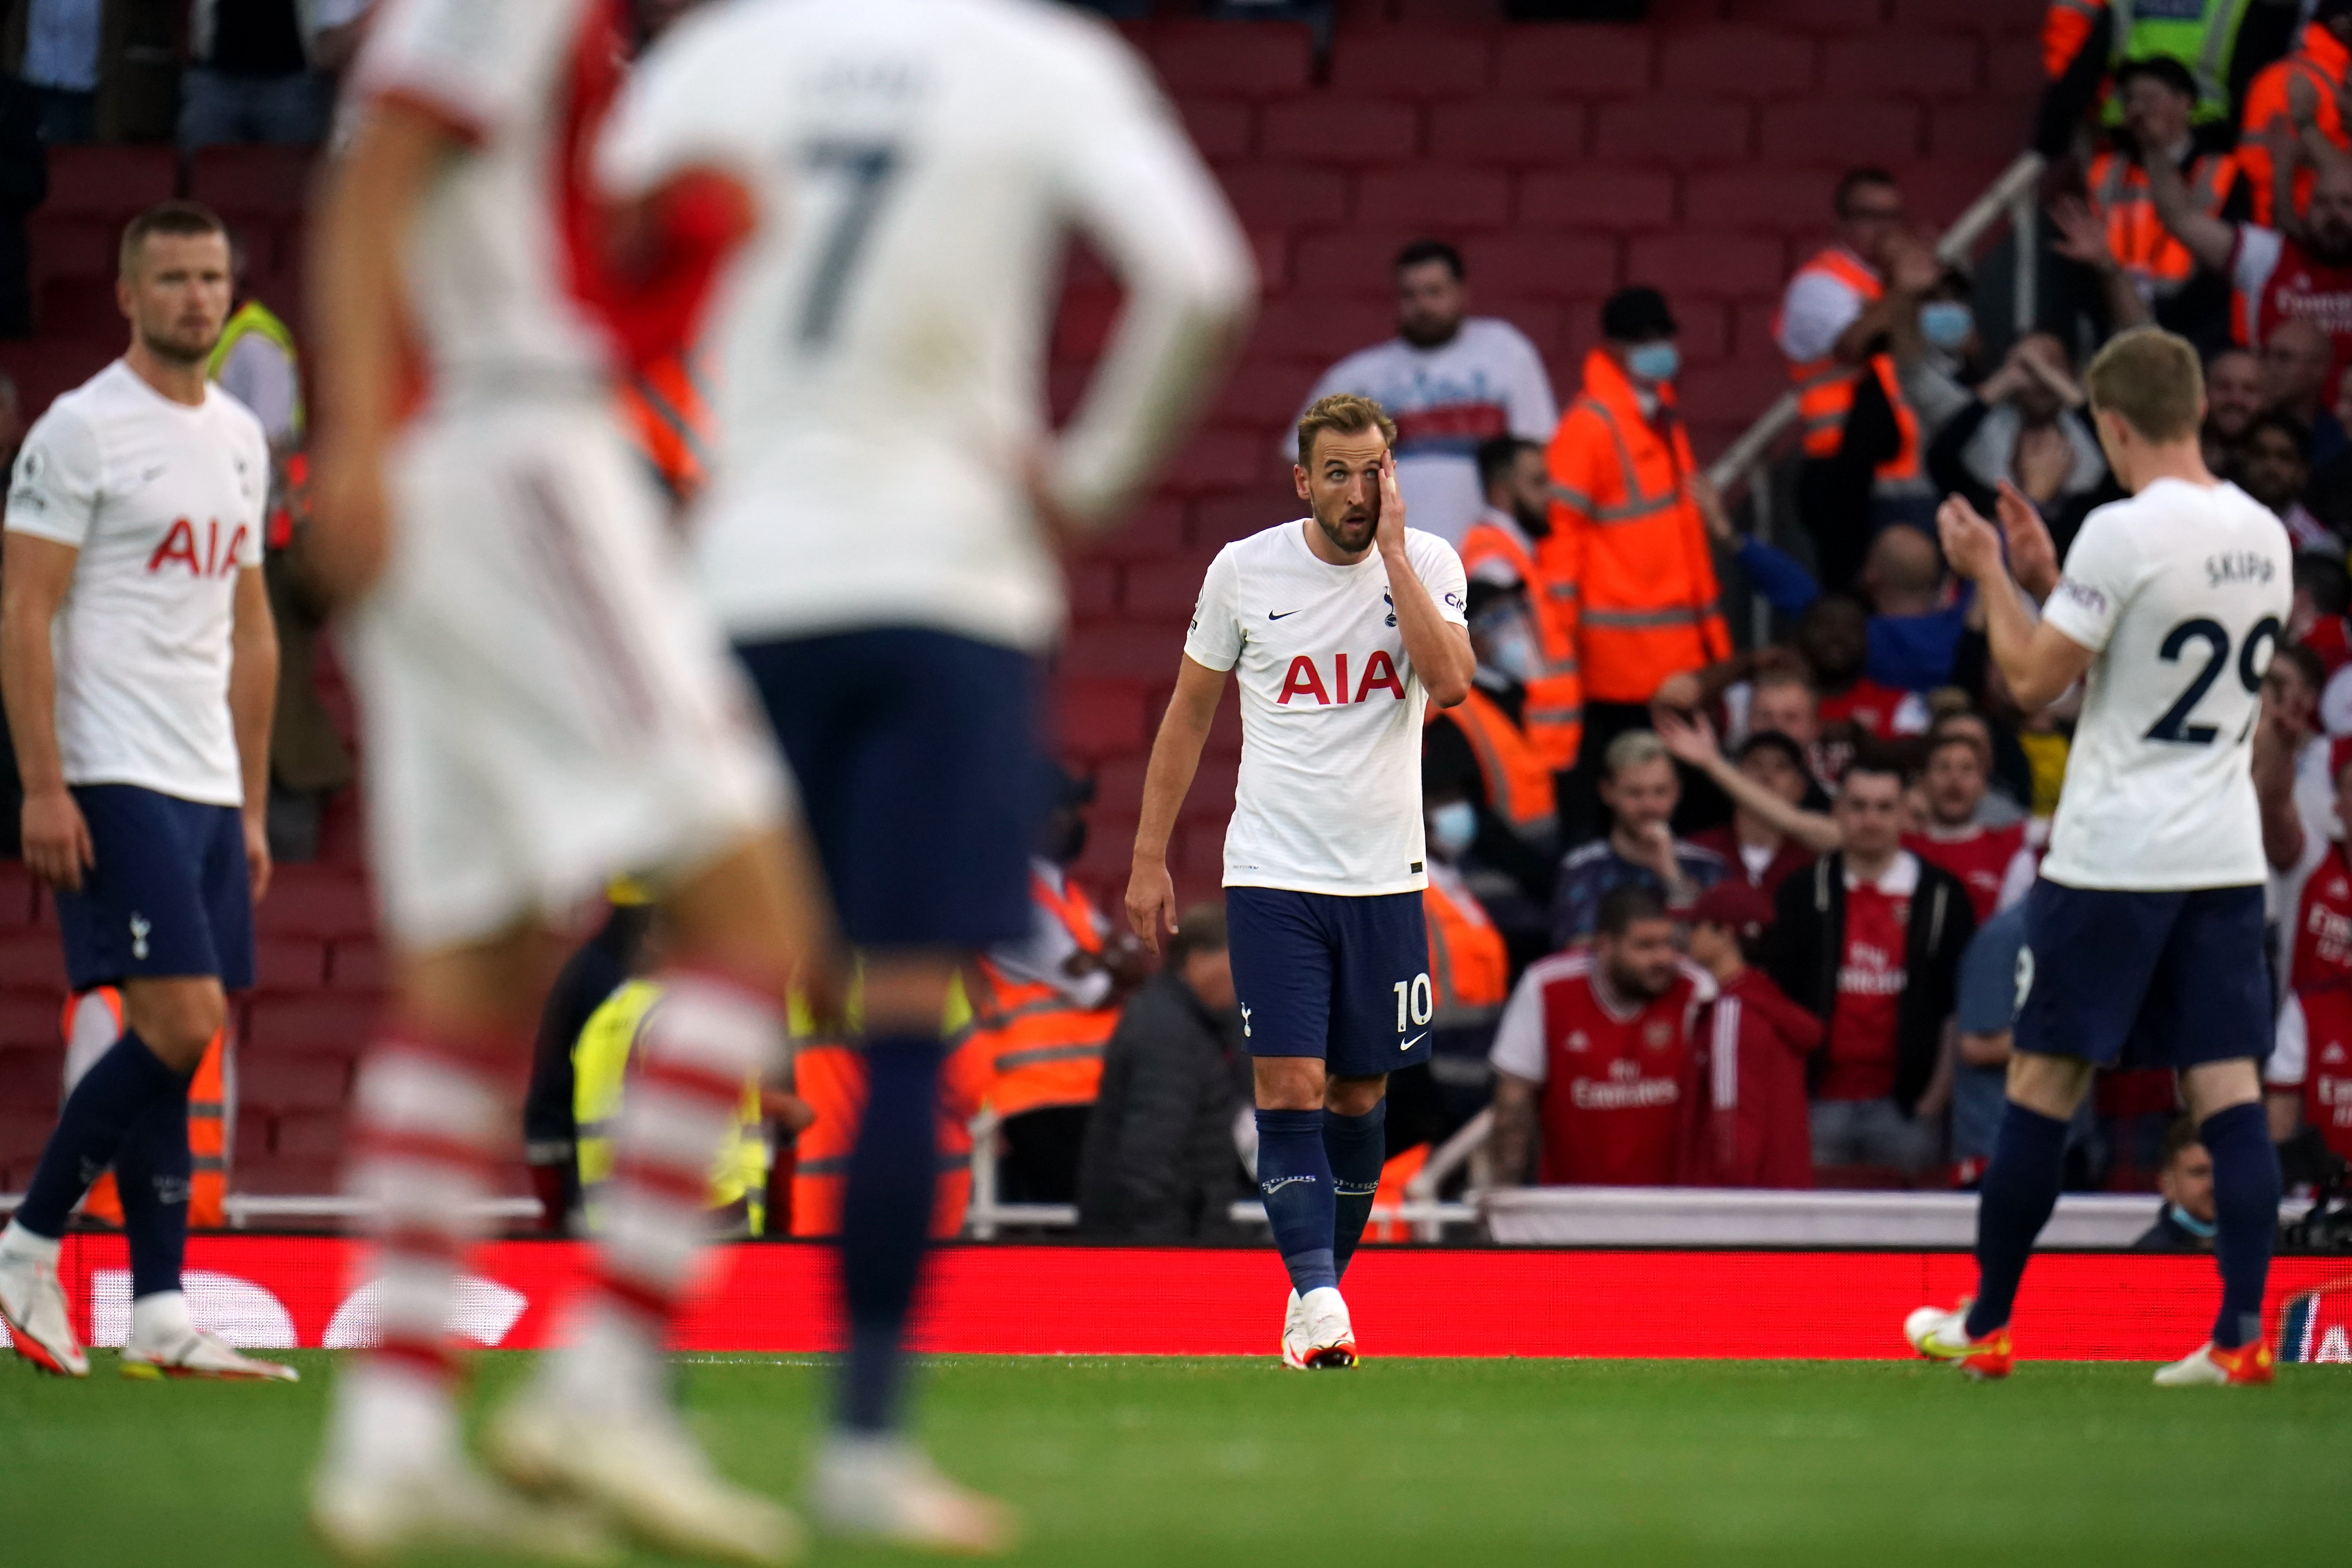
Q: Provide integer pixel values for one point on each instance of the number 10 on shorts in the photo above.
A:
(1414, 995)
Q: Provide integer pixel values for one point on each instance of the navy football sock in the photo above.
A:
(1293, 1175)
(886, 1216)
(110, 1096)
(2245, 1212)
(1357, 1147)
(152, 1172)
(2020, 1189)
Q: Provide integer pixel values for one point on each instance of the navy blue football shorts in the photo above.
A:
(1318, 975)
(168, 895)
(2144, 980)
(919, 763)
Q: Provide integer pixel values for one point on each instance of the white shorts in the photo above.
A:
(545, 703)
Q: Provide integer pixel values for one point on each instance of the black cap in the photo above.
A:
(1064, 788)
(1637, 315)
(2164, 69)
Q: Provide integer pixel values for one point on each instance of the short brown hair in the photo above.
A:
(1202, 929)
(1342, 414)
(2153, 379)
(166, 217)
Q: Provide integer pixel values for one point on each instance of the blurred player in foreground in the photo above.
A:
(1345, 626)
(882, 512)
(140, 669)
(2144, 935)
(546, 704)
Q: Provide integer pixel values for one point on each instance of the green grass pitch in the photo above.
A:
(1148, 1460)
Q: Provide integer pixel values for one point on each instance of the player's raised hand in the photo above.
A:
(2033, 554)
(1688, 737)
(1970, 544)
(1388, 535)
(1151, 902)
(57, 845)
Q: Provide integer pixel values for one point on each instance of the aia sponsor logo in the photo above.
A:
(199, 555)
(1305, 680)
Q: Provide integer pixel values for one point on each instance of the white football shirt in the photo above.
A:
(2182, 593)
(490, 262)
(877, 350)
(165, 502)
(1329, 795)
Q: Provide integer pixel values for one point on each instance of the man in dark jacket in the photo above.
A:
(1160, 1162)
(2186, 1180)
(1870, 941)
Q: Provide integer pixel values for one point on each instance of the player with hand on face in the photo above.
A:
(1343, 625)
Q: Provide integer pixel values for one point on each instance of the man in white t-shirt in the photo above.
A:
(1344, 626)
(1451, 381)
(141, 672)
(2144, 942)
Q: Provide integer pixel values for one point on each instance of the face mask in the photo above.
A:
(1654, 362)
(1945, 323)
(1509, 648)
(1452, 826)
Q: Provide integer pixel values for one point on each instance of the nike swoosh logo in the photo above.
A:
(1414, 1041)
(1272, 616)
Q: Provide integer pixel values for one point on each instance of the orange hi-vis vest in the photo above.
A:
(95, 1018)
(1555, 709)
(1518, 779)
(2321, 61)
(1825, 385)
(829, 1075)
(2143, 247)
(1043, 1050)
(1624, 523)
(664, 409)
(1468, 967)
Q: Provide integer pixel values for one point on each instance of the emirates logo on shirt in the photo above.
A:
(1304, 679)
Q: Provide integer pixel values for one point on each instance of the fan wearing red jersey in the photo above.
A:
(1593, 1060)
(2308, 1077)
(1985, 859)
(2322, 951)
(1749, 1118)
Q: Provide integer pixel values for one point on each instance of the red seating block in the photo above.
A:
(1324, 329)
(2009, 15)
(1084, 322)
(32, 959)
(1707, 265)
(1220, 127)
(1125, 649)
(1242, 57)
(2014, 66)
(1758, 197)
(1735, 62)
(1549, 266)
(1673, 129)
(1815, 15)
(1099, 717)
(248, 182)
(1425, 63)
(1580, 60)
(30, 1018)
(1509, 130)
(1266, 393)
(1937, 190)
(1219, 520)
(22, 1135)
(20, 895)
(1165, 590)
(1434, 194)
(1157, 530)
(1910, 64)
(78, 306)
(1729, 393)
(281, 1083)
(265, 1174)
(321, 901)
(1602, 195)
(31, 1079)
(290, 964)
(111, 181)
(1218, 457)
(1705, 329)
(1987, 128)
(69, 244)
(1093, 589)
(1840, 132)
(1330, 128)
(1110, 848)
(356, 965)
(1284, 195)
(326, 1023)
(1345, 261)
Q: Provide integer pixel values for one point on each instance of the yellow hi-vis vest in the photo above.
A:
(600, 1069)
(254, 316)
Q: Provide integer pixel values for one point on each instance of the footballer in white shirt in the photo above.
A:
(885, 504)
(546, 705)
(1343, 627)
(141, 672)
(2143, 939)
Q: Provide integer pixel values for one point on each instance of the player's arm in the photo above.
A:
(2037, 659)
(252, 704)
(2207, 238)
(365, 212)
(34, 574)
(1175, 758)
(1511, 1148)
(1439, 647)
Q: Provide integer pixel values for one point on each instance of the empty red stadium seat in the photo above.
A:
(280, 1083)
(81, 307)
(73, 244)
(111, 181)
(1692, 262)
(322, 901)
(356, 964)
(1576, 61)
(32, 959)
(1603, 196)
(1334, 128)
(1737, 62)
(1220, 127)
(324, 1022)
(31, 1077)
(307, 1135)
(242, 183)
(30, 1019)
(1099, 717)
(1509, 130)
(1285, 195)
(1414, 61)
(18, 895)
(1673, 129)
(1909, 64)
(287, 964)
(1841, 132)
(1239, 57)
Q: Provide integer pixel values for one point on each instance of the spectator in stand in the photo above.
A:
(1833, 636)
(1501, 549)
(2322, 593)
(1771, 832)
(1782, 699)
(2299, 380)
(1470, 969)
(2026, 427)
(2082, 43)
(1834, 329)
(2294, 795)
(2234, 395)
(1752, 1044)
(1641, 790)
(1450, 380)
(1870, 941)
(1629, 531)
(2274, 468)
(1482, 751)
(1992, 863)
(2307, 1081)
(2185, 1177)
(263, 70)
(2303, 89)
(2329, 494)
(2009, 782)
(55, 48)
(1160, 1162)
(1594, 1063)
(2319, 934)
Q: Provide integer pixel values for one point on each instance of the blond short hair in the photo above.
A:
(2153, 379)
(1342, 414)
(1631, 750)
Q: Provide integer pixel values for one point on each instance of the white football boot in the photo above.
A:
(886, 1490)
(370, 1515)
(1323, 1338)
(33, 1304)
(200, 1353)
(2210, 1366)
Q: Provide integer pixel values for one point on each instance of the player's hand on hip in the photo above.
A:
(257, 863)
(2033, 554)
(1152, 903)
(1389, 533)
(1970, 544)
(350, 537)
(57, 845)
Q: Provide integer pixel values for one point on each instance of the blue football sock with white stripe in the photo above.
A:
(1358, 1147)
(111, 1096)
(2245, 1212)
(153, 1171)
(1294, 1177)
